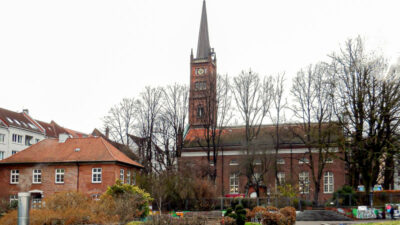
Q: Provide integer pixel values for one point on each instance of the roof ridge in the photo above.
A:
(109, 151)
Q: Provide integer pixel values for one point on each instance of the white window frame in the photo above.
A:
(134, 178)
(281, 177)
(37, 176)
(13, 198)
(2, 155)
(13, 152)
(234, 183)
(97, 175)
(304, 160)
(280, 161)
(329, 160)
(304, 182)
(128, 177)
(122, 175)
(328, 182)
(59, 173)
(234, 162)
(14, 176)
(2, 138)
(16, 138)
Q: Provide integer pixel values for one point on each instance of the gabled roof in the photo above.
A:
(53, 130)
(19, 120)
(203, 45)
(91, 149)
(123, 148)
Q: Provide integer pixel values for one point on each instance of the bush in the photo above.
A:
(228, 221)
(239, 214)
(290, 214)
(272, 218)
(126, 201)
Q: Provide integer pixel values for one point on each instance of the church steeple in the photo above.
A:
(203, 45)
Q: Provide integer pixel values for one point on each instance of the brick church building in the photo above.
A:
(272, 166)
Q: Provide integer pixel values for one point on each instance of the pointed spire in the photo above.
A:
(203, 45)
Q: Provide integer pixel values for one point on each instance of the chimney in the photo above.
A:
(26, 111)
(107, 132)
(62, 137)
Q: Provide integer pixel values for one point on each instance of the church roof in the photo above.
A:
(291, 135)
(203, 45)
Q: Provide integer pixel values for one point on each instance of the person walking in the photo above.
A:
(392, 212)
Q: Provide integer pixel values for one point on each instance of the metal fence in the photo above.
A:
(376, 199)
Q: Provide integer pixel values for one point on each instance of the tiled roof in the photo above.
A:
(235, 136)
(18, 120)
(53, 130)
(91, 149)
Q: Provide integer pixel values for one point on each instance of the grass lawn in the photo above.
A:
(134, 223)
(382, 223)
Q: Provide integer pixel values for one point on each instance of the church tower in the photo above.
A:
(203, 80)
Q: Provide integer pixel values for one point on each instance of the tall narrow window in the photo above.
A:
(14, 177)
(122, 175)
(304, 182)
(328, 182)
(60, 176)
(37, 176)
(234, 183)
(96, 175)
(200, 111)
(2, 138)
(1, 155)
(134, 179)
(128, 177)
(281, 178)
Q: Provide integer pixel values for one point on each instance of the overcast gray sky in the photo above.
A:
(70, 61)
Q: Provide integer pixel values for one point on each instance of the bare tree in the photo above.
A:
(279, 104)
(149, 108)
(253, 98)
(367, 107)
(312, 91)
(120, 120)
(171, 122)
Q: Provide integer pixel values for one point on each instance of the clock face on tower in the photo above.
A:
(200, 71)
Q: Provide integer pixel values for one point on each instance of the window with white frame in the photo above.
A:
(304, 182)
(280, 161)
(329, 160)
(13, 198)
(233, 162)
(1, 155)
(14, 177)
(304, 160)
(281, 178)
(60, 176)
(96, 175)
(2, 137)
(128, 177)
(256, 177)
(17, 138)
(328, 182)
(257, 162)
(37, 176)
(234, 183)
(122, 175)
(134, 179)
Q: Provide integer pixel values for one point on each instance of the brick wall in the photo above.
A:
(291, 168)
(76, 178)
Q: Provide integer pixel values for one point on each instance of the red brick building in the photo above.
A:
(88, 165)
(293, 158)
